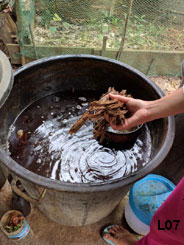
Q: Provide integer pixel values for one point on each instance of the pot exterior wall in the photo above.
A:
(79, 204)
(74, 208)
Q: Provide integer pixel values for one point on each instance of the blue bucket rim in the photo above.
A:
(156, 177)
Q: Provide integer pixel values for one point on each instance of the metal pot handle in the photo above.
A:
(24, 195)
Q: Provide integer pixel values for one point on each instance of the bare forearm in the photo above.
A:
(145, 111)
(167, 106)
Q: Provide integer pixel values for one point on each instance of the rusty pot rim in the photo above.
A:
(58, 185)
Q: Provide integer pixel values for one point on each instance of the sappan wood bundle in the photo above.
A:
(99, 110)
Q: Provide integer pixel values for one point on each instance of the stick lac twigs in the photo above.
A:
(97, 112)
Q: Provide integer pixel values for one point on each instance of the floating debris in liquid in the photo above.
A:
(51, 152)
(78, 107)
(56, 99)
(20, 133)
(84, 104)
(82, 98)
(39, 161)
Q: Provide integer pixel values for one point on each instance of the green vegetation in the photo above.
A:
(51, 29)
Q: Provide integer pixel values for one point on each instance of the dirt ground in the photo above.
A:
(47, 232)
(167, 84)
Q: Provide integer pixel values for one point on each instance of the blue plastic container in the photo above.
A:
(145, 197)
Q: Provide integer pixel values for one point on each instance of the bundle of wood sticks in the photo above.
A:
(99, 110)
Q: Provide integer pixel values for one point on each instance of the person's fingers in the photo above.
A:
(129, 123)
(120, 98)
(139, 117)
(132, 122)
(118, 127)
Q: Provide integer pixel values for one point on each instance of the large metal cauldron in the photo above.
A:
(79, 204)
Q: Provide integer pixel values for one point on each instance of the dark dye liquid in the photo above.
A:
(47, 149)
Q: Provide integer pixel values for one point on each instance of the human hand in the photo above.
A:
(137, 109)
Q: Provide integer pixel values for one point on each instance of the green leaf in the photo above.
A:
(53, 29)
(56, 17)
(66, 25)
(100, 36)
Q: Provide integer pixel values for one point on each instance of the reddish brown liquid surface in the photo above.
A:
(47, 149)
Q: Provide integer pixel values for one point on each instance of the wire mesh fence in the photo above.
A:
(100, 24)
